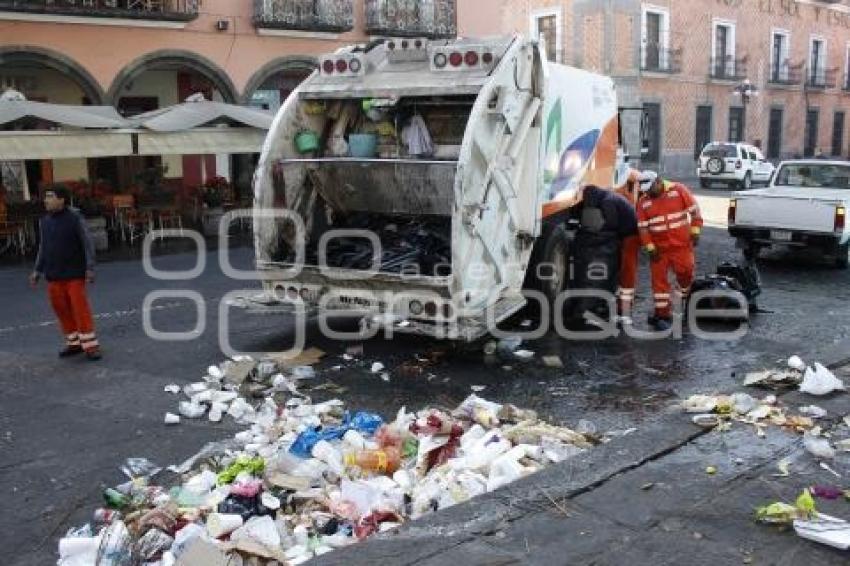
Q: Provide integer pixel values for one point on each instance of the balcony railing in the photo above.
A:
(305, 15)
(820, 79)
(728, 69)
(786, 74)
(657, 59)
(411, 18)
(170, 10)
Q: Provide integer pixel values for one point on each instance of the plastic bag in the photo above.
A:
(818, 447)
(821, 381)
(363, 422)
(135, 468)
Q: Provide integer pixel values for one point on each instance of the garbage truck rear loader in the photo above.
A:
(423, 185)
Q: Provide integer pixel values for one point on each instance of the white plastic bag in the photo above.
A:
(821, 381)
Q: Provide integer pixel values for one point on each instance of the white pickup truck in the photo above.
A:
(804, 206)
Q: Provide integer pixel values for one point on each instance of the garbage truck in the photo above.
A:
(424, 185)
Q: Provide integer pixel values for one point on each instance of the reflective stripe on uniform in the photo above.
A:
(73, 339)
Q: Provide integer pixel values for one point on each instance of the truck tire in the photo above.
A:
(842, 260)
(549, 268)
(747, 183)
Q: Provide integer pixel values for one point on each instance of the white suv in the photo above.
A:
(737, 165)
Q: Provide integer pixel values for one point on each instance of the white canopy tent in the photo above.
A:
(99, 131)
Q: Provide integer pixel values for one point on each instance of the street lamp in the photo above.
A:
(746, 90)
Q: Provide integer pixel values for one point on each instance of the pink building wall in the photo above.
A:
(241, 51)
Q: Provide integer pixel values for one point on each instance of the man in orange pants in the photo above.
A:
(66, 260)
(669, 226)
(629, 254)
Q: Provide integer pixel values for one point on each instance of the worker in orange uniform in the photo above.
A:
(629, 252)
(669, 226)
(66, 260)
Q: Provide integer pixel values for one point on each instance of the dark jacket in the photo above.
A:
(615, 216)
(66, 250)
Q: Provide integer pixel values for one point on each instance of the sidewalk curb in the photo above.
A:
(437, 533)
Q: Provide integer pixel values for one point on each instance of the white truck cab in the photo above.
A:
(420, 183)
(805, 206)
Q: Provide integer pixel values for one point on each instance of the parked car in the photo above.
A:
(737, 165)
(805, 206)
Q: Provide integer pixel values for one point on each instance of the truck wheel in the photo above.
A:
(747, 183)
(549, 269)
(842, 260)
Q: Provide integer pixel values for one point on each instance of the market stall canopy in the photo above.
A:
(201, 141)
(65, 144)
(195, 127)
(189, 115)
(14, 108)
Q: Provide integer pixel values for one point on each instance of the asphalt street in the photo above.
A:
(66, 426)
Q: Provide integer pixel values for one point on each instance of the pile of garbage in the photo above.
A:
(423, 246)
(720, 411)
(807, 521)
(306, 477)
(814, 381)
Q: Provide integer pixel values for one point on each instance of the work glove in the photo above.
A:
(34, 279)
(652, 253)
(695, 234)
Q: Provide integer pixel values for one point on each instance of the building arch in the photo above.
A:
(30, 55)
(177, 59)
(279, 65)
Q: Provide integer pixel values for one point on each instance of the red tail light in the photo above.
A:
(471, 58)
(341, 66)
(328, 67)
(733, 209)
(840, 218)
(455, 59)
(738, 164)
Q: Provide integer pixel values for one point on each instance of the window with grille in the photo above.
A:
(547, 28)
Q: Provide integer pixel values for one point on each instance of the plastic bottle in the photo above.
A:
(386, 460)
(115, 499)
